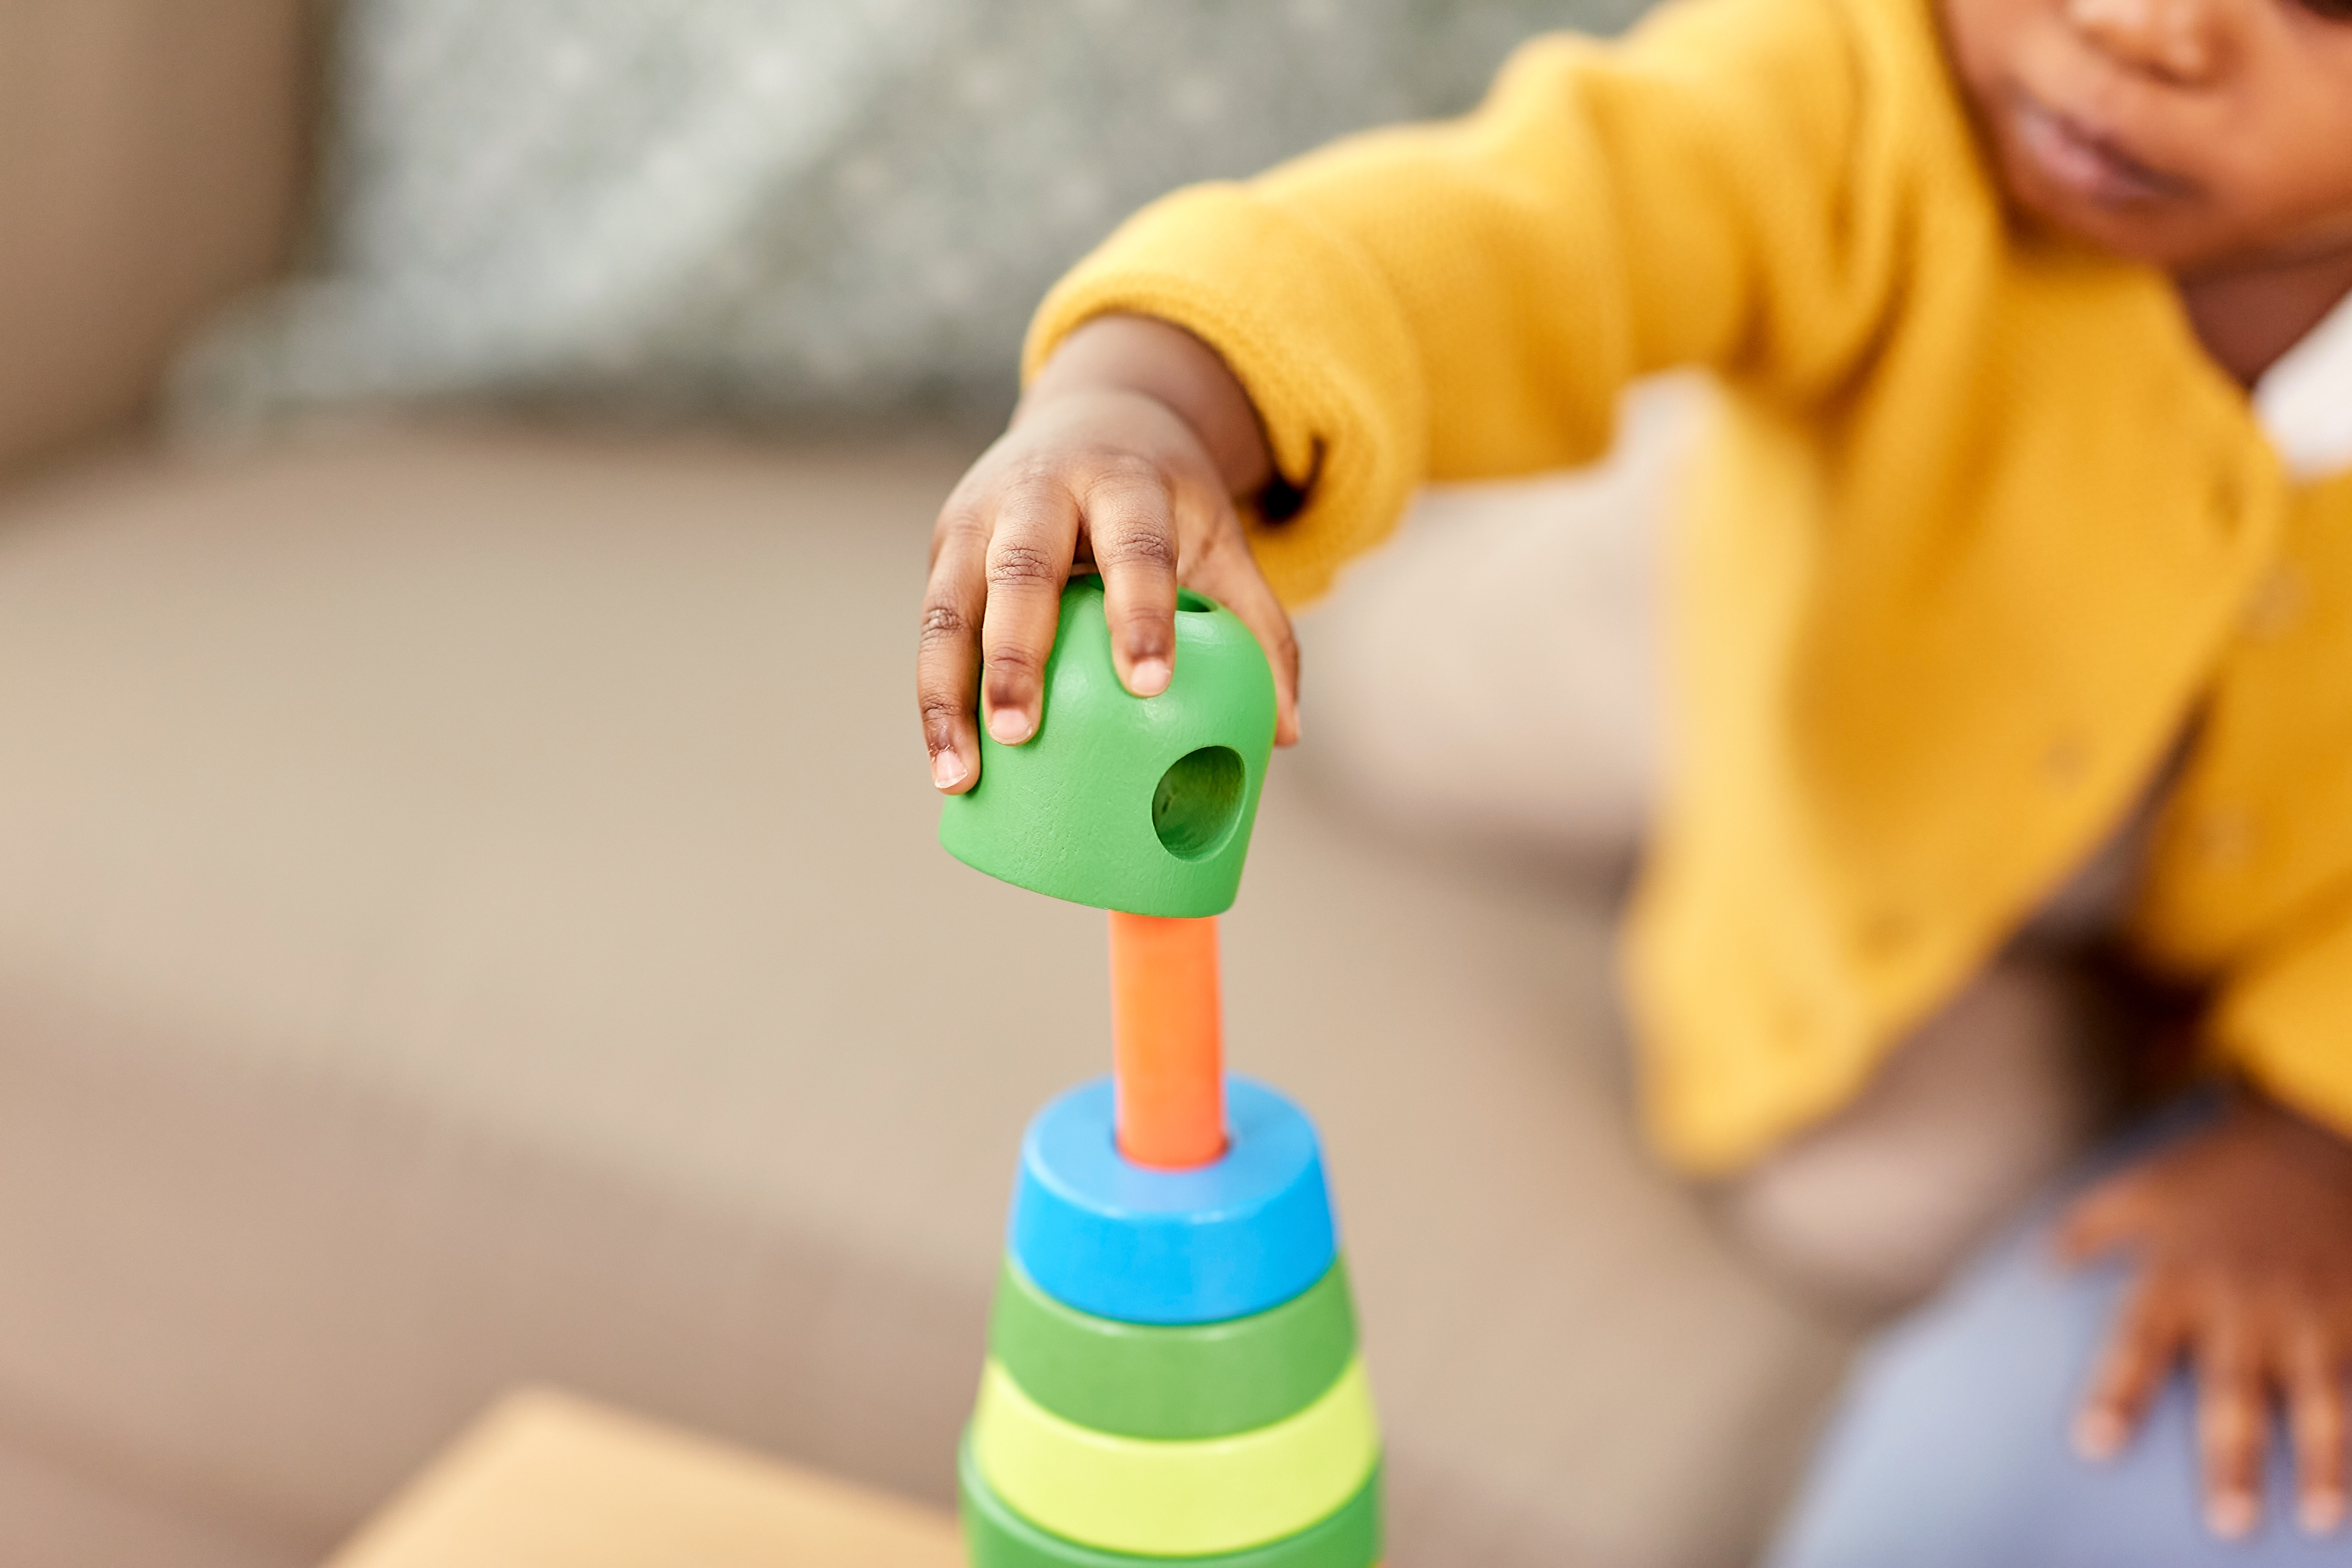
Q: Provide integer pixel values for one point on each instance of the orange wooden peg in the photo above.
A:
(1167, 1040)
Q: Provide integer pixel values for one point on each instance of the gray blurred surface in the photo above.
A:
(817, 212)
(470, 913)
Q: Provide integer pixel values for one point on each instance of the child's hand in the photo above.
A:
(2245, 1239)
(1124, 456)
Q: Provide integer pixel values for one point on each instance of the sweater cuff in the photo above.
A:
(1306, 324)
(2287, 1023)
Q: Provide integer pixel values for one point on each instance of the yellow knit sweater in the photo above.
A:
(1983, 529)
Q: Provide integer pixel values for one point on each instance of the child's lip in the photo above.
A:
(2088, 162)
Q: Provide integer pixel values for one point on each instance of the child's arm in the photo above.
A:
(1439, 302)
(2244, 1237)
(1126, 452)
(1728, 187)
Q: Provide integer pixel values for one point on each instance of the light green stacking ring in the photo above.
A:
(1175, 1499)
(1204, 1380)
(997, 1537)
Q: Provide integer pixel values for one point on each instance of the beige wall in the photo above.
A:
(152, 161)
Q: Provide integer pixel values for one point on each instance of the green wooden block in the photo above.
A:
(1142, 804)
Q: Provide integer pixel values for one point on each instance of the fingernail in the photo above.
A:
(2098, 1434)
(1009, 726)
(947, 768)
(2230, 1515)
(2320, 1513)
(1150, 677)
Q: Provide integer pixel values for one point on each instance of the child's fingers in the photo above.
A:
(1033, 539)
(2141, 1350)
(2232, 1431)
(947, 659)
(1133, 531)
(2314, 1376)
(1227, 573)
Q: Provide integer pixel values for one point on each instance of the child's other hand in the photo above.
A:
(2243, 1237)
(1124, 456)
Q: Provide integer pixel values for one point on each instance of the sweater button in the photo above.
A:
(2228, 502)
(1888, 933)
(2276, 606)
(2066, 760)
(2223, 835)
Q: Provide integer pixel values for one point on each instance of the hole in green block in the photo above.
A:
(1198, 802)
(1192, 603)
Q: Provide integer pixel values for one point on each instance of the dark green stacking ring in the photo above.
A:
(1203, 1380)
(999, 1538)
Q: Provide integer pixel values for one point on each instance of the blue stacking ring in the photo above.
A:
(1120, 1240)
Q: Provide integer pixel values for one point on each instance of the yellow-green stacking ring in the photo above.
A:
(999, 1538)
(1175, 1499)
(1203, 1380)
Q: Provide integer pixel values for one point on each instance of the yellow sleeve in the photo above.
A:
(2287, 1022)
(1465, 299)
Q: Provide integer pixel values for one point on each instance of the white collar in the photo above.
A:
(2305, 401)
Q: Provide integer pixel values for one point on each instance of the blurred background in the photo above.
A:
(468, 906)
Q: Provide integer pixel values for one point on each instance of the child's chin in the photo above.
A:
(2160, 232)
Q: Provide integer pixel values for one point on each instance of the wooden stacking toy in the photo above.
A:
(1172, 1372)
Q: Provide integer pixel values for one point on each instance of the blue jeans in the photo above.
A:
(1950, 1447)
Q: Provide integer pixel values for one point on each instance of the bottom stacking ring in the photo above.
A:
(1000, 1538)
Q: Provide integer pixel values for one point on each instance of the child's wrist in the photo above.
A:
(1154, 359)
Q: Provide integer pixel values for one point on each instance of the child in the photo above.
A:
(1990, 549)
